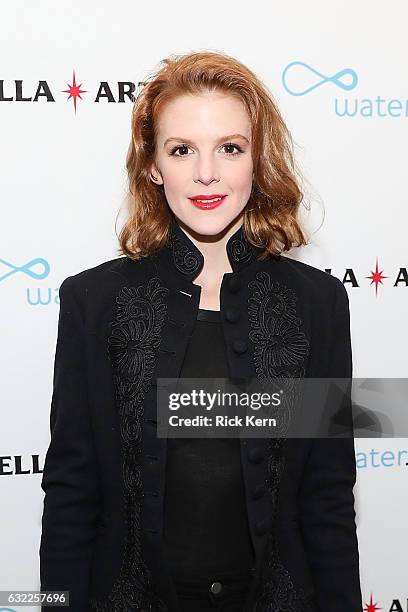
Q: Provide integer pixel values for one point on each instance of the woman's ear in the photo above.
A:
(155, 175)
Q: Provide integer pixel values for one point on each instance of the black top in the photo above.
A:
(206, 532)
(119, 322)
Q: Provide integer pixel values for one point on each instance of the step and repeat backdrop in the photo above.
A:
(68, 72)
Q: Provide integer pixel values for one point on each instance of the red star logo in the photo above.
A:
(376, 277)
(371, 607)
(74, 91)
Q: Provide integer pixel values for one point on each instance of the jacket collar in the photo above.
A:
(186, 257)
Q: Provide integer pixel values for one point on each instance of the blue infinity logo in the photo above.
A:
(38, 261)
(336, 79)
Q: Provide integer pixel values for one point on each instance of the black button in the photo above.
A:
(252, 570)
(255, 455)
(234, 284)
(258, 491)
(262, 527)
(216, 588)
(232, 315)
(240, 346)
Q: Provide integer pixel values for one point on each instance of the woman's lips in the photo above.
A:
(207, 205)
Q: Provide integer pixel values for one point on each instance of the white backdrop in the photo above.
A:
(62, 180)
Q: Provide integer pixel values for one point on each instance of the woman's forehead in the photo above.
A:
(204, 117)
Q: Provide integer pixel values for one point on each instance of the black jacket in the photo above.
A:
(122, 325)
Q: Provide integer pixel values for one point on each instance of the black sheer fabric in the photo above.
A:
(206, 532)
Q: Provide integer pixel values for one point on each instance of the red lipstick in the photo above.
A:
(207, 202)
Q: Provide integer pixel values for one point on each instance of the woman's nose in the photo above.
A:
(206, 171)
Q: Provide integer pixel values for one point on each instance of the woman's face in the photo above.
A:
(203, 149)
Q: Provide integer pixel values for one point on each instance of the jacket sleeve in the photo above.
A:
(326, 497)
(70, 478)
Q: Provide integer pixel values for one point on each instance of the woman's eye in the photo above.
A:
(233, 146)
(183, 149)
(173, 151)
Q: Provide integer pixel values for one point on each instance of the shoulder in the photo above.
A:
(103, 273)
(97, 286)
(95, 273)
(310, 279)
(308, 274)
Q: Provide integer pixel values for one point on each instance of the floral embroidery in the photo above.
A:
(241, 251)
(188, 259)
(281, 349)
(185, 259)
(132, 344)
(280, 345)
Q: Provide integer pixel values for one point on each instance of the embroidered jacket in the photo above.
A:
(122, 325)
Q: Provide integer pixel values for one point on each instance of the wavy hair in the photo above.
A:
(270, 217)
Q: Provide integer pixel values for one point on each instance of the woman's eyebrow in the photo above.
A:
(188, 141)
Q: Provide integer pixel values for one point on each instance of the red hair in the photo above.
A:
(270, 216)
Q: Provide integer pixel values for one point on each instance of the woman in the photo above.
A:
(132, 521)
